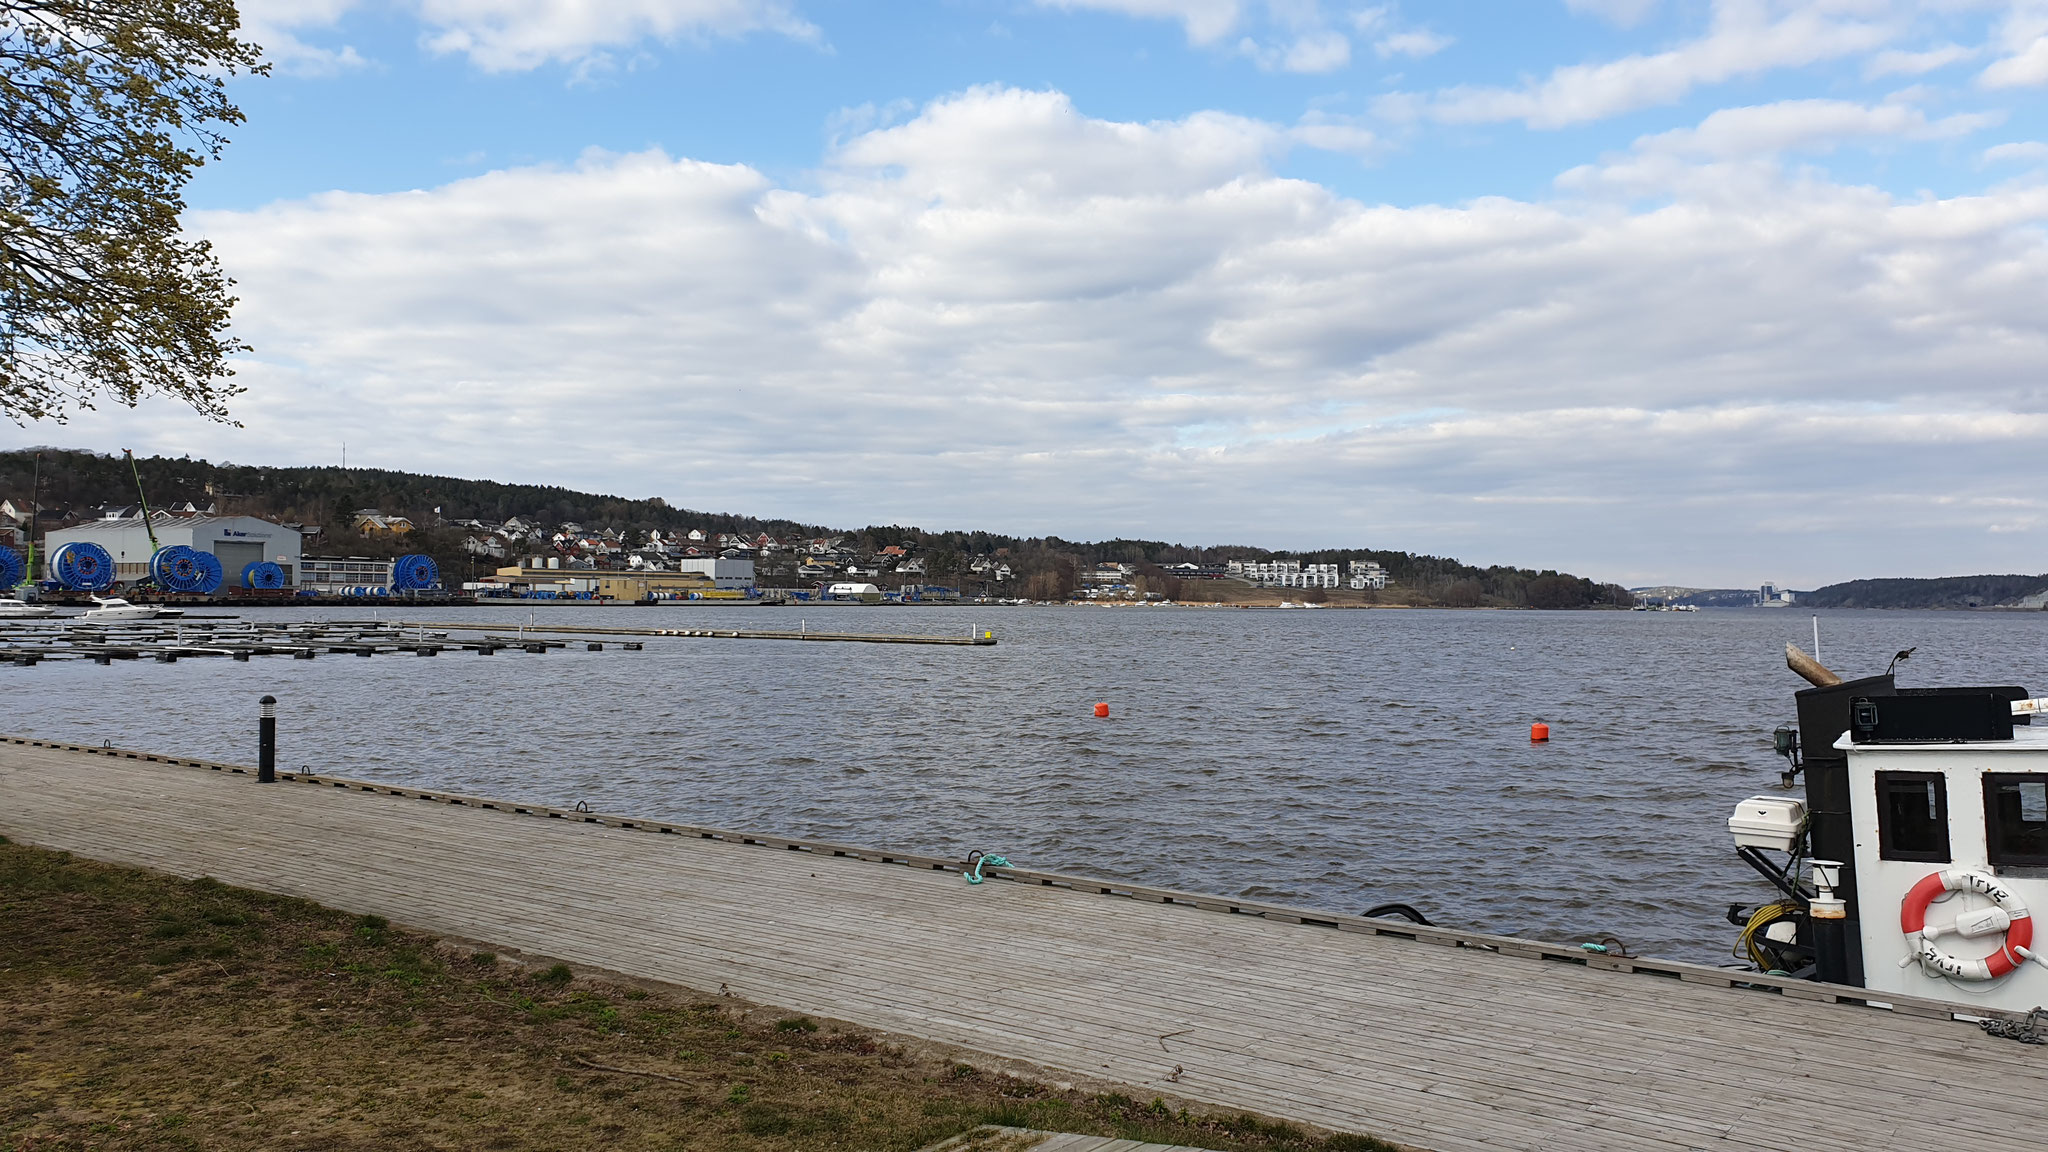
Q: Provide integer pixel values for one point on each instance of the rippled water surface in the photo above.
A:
(1335, 758)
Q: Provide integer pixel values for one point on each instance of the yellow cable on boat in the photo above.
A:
(1765, 915)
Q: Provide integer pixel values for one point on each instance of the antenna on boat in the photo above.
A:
(1816, 637)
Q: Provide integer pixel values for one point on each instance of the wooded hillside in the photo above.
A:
(1942, 592)
(79, 481)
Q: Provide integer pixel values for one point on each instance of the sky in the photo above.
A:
(1691, 291)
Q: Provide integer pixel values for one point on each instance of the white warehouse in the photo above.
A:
(236, 541)
(731, 574)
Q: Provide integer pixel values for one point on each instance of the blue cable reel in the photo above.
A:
(262, 574)
(12, 569)
(189, 570)
(175, 569)
(414, 573)
(211, 574)
(83, 566)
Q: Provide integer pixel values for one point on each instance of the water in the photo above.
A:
(1336, 759)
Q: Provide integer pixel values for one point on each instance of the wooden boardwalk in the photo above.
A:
(1487, 1043)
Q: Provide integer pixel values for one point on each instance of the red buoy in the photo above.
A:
(1539, 733)
(1102, 711)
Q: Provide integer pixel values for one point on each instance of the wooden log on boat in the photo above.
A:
(1816, 673)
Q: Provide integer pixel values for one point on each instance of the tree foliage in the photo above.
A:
(107, 108)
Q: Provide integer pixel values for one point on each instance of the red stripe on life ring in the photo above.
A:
(2019, 935)
(1913, 909)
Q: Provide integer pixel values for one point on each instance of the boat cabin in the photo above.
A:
(1952, 838)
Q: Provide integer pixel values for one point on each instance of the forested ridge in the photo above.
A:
(1938, 592)
(80, 481)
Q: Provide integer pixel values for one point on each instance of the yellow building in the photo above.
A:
(371, 522)
(613, 585)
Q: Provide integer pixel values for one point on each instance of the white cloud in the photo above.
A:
(1315, 51)
(2027, 68)
(274, 25)
(1206, 21)
(1747, 37)
(1626, 13)
(1279, 35)
(2018, 151)
(517, 35)
(1812, 125)
(1003, 313)
(1418, 43)
(1334, 133)
(1895, 62)
(513, 35)
(2021, 44)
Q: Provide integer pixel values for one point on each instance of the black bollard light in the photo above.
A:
(266, 742)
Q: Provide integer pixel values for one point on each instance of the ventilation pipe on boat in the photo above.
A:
(1829, 914)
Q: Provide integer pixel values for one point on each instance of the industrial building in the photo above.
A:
(236, 541)
(730, 575)
(603, 584)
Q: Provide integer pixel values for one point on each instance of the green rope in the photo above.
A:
(975, 876)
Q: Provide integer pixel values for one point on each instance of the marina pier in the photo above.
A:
(977, 638)
(1435, 1037)
(30, 642)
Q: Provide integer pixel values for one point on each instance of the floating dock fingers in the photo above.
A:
(32, 642)
(976, 639)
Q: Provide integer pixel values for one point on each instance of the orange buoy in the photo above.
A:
(1539, 733)
(1102, 711)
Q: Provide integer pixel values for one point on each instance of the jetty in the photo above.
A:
(28, 643)
(1435, 1037)
(975, 638)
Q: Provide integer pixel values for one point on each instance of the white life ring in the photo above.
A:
(2018, 925)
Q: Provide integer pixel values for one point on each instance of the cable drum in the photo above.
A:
(83, 566)
(175, 569)
(415, 573)
(12, 569)
(211, 574)
(262, 574)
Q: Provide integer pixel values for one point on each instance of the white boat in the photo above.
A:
(12, 609)
(1916, 862)
(115, 608)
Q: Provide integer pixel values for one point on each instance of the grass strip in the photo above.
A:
(142, 1011)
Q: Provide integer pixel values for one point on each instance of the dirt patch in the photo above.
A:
(140, 1011)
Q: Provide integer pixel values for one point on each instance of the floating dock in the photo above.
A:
(168, 641)
(976, 639)
(1434, 1037)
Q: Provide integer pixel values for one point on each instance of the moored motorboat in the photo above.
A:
(1911, 862)
(13, 609)
(115, 608)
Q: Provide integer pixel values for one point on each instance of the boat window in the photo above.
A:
(1912, 816)
(2016, 818)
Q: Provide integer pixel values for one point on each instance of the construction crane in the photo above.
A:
(148, 527)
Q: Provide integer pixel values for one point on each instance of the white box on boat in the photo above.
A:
(1767, 822)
